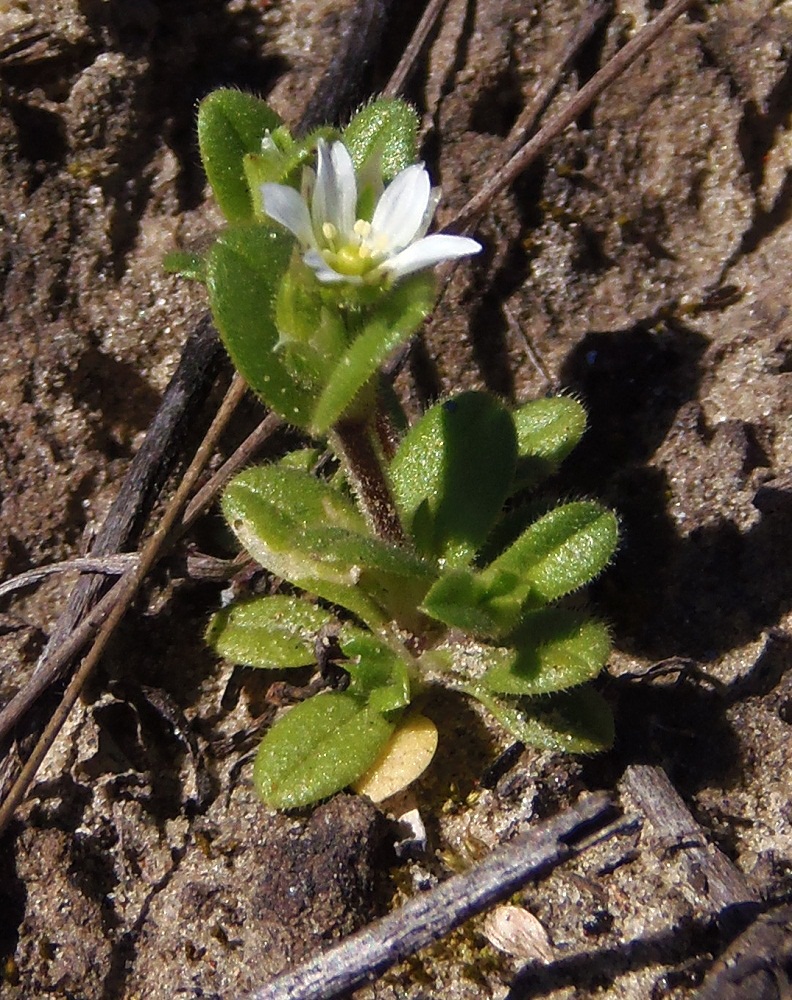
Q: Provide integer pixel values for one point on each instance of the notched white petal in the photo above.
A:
(323, 190)
(286, 206)
(401, 209)
(428, 252)
(346, 187)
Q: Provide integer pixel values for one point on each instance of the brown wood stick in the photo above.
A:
(717, 879)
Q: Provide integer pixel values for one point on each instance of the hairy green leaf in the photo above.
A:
(319, 747)
(552, 649)
(547, 431)
(244, 268)
(560, 552)
(230, 126)
(386, 127)
(576, 721)
(452, 473)
(271, 632)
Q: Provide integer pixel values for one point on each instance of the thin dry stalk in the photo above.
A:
(127, 588)
(588, 93)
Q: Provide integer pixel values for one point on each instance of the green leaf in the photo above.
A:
(577, 721)
(271, 632)
(244, 268)
(462, 599)
(378, 673)
(391, 321)
(547, 431)
(560, 552)
(387, 127)
(553, 649)
(230, 126)
(308, 532)
(319, 747)
(452, 473)
(187, 265)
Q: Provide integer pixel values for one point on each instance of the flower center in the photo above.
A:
(355, 253)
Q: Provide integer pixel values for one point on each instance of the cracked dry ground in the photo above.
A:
(645, 259)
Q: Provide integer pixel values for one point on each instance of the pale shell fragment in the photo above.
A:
(406, 756)
(517, 932)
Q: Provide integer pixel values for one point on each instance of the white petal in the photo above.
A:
(324, 272)
(400, 210)
(434, 201)
(285, 205)
(429, 251)
(335, 192)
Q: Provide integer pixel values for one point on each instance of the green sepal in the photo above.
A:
(552, 649)
(230, 126)
(377, 672)
(186, 265)
(319, 747)
(312, 336)
(244, 268)
(280, 161)
(547, 431)
(452, 473)
(271, 632)
(377, 333)
(576, 721)
(388, 128)
(560, 552)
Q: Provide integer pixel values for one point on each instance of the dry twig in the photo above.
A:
(432, 915)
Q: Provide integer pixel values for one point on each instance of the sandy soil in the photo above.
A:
(644, 260)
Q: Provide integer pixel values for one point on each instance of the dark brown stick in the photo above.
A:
(128, 587)
(179, 407)
(432, 915)
(720, 881)
(409, 58)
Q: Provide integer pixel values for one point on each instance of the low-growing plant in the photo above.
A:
(424, 556)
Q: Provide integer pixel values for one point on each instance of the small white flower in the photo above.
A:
(340, 246)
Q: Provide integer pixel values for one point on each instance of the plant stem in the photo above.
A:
(352, 441)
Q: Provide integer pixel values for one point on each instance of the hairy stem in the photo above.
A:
(353, 442)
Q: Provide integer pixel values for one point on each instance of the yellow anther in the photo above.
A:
(362, 228)
(329, 231)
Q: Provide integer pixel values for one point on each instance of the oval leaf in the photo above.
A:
(230, 126)
(553, 649)
(452, 473)
(560, 552)
(405, 757)
(547, 431)
(387, 127)
(578, 721)
(243, 270)
(319, 747)
(271, 632)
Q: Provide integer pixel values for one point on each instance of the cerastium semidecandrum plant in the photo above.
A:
(430, 560)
